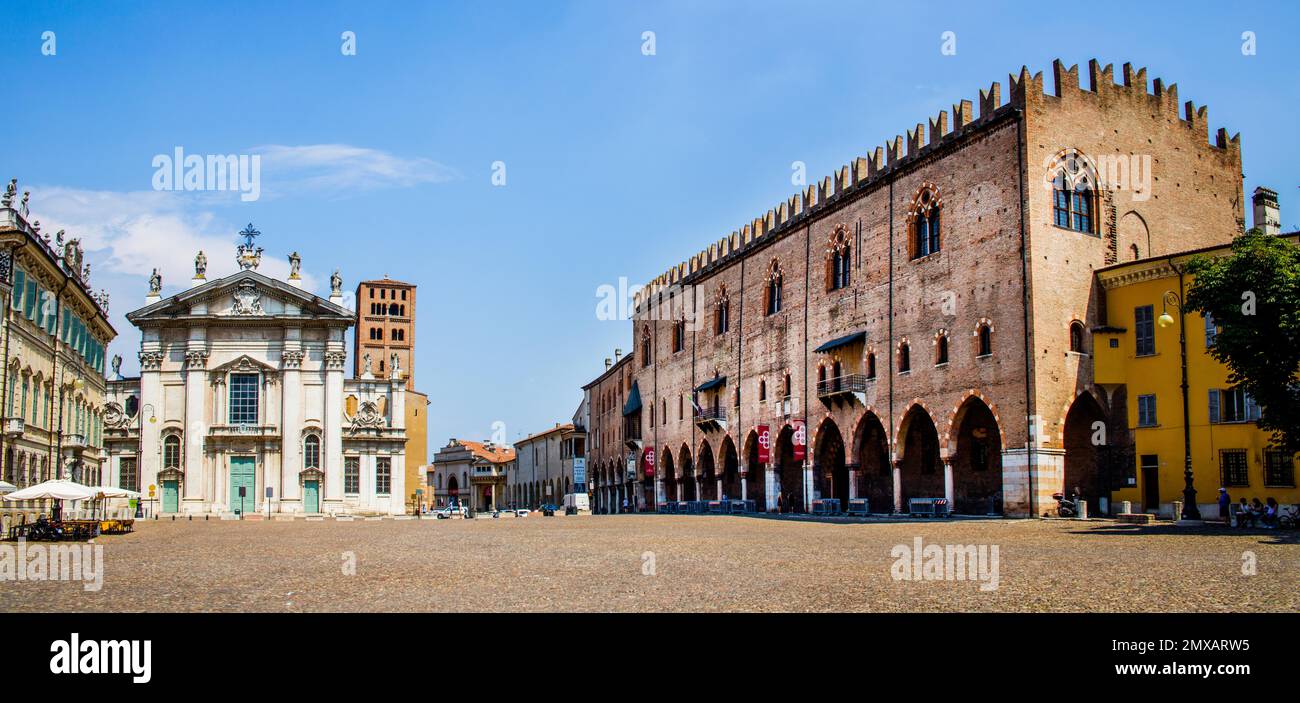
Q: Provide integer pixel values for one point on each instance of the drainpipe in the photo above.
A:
(4, 382)
(889, 354)
(1024, 301)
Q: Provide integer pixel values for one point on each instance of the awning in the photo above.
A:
(712, 383)
(837, 343)
(633, 404)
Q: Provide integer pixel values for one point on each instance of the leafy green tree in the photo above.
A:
(1254, 296)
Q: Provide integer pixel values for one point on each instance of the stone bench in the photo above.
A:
(1136, 518)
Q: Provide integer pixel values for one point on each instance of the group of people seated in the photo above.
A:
(1253, 513)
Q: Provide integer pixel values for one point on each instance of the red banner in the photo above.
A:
(800, 439)
(649, 462)
(764, 444)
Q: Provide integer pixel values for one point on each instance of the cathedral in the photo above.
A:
(241, 406)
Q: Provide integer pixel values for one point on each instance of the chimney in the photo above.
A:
(608, 363)
(1268, 217)
(618, 354)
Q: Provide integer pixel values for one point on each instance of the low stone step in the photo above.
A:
(1136, 518)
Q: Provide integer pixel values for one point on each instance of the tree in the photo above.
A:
(1254, 296)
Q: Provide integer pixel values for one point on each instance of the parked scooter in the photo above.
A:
(1064, 506)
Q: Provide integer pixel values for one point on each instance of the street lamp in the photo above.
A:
(1190, 511)
(139, 459)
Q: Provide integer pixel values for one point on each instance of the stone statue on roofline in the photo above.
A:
(336, 284)
(201, 265)
(155, 283)
(295, 266)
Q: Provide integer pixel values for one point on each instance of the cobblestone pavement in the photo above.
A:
(699, 563)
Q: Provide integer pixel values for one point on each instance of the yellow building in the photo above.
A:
(1136, 360)
(417, 448)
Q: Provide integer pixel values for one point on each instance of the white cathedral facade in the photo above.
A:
(242, 407)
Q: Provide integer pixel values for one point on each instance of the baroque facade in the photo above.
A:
(55, 333)
(241, 405)
(901, 329)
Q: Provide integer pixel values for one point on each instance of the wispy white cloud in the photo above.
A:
(341, 168)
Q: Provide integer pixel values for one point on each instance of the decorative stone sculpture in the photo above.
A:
(295, 266)
(117, 366)
(201, 265)
(365, 364)
(155, 283)
(336, 284)
(396, 364)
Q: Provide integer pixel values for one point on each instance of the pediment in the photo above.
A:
(246, 294)
(243, 364)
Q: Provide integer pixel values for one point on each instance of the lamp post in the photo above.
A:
(139, 458)
(1190, 511)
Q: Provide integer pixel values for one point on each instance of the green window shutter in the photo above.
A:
(1214, 405)
(20, 285)
(29, 300)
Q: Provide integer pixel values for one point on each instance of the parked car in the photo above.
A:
(450, 511)
(548, 510)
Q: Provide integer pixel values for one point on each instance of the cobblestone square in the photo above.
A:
(650, 563)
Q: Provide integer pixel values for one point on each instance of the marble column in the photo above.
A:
(150, 432)
(947, 482)
(335, 359)
(196, 377)
(772, 488)
(285, 482)
(898, 485)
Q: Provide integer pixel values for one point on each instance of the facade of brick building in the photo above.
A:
(903, 328)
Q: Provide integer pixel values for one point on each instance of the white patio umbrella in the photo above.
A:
(6, 487)
(114, 492)
(59, 489)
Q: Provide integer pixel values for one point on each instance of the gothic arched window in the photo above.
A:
(1074, 196)
(838, 260)
(924, 222)
(775, 285)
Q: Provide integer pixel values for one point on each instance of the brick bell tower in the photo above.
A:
(385, 326)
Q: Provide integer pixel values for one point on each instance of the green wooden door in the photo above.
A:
(170, 495)
(242, 474)
(311, 496)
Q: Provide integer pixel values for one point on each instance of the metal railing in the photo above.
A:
(710, 414)
(848, 383)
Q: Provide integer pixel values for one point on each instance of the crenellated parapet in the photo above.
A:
(1024, 91)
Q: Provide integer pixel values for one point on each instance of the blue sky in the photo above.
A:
(617, 164)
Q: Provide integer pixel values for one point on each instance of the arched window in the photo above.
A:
(311, 452)
(941, 350)
(838, 260)
(722, 312)
(786, 389)
(904, 357)
(871, 365)
(171, 452)
(775, 284)
(762, 390)
(985, 335)
(1076, 336)
(647, 355)
(132, 406)
(679, 336)
(1074, 197)
(924, 222)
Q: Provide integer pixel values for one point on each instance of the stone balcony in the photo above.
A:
(14, 427)
(243, 431)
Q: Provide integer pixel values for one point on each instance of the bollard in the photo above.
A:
(191, 517)
(1082, 508)
(205, 517)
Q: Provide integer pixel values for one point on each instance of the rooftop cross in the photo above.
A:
(249, 234)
